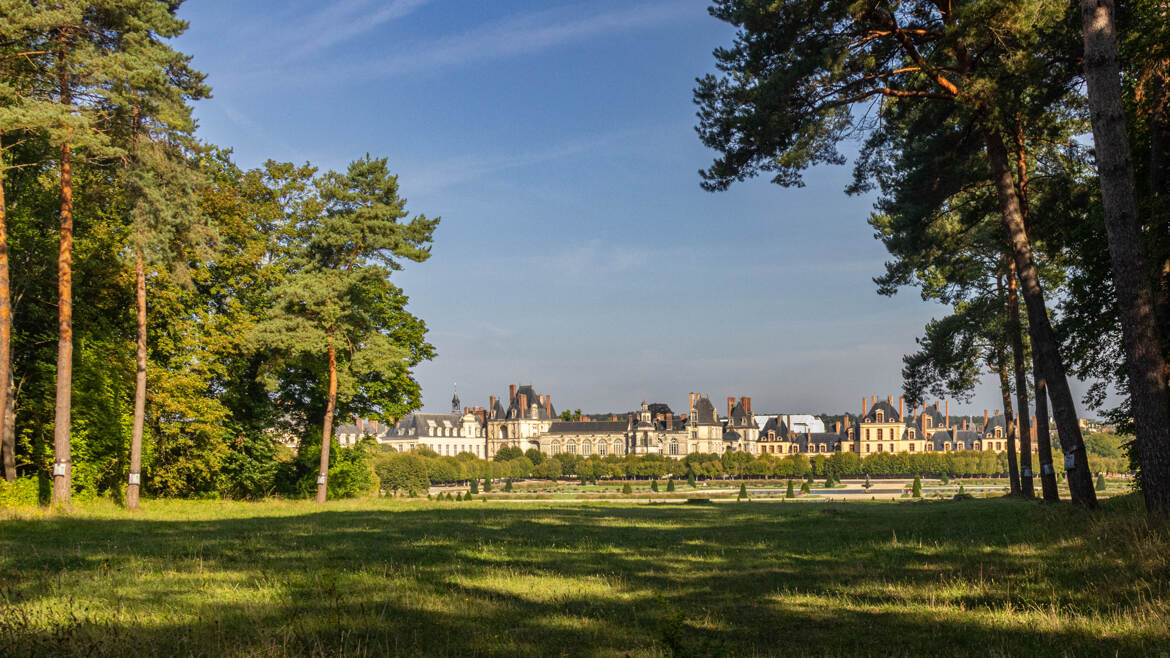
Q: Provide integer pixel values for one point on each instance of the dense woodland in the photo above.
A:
(165, 314)
(1018, 150)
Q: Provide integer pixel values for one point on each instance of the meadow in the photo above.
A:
(399, 577)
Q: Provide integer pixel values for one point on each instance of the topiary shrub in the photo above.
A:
(742, 491)
(1101, 482)
(804, 488)
(916, 489)
(654, 485)
(791, 493)
(474, 486)
(691, 479)
(487, 485)
(670, 485)
(508, 485)
(627, 489)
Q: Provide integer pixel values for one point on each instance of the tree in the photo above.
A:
(654, 485)
(670, 485)
(691, 479)
(796, 69)
(534, 455)
(507, 485)
(1145, 362)
(916, 489)
(487, 485)
(474, 486)
(627, 489)
(804, 488)
(742, 491)
(338, 293)
(507, 453)
(791, 492)
(1101, 482)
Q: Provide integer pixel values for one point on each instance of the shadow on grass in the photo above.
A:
(995, 576)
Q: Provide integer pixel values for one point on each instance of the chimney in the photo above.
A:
(964, 423)
(891, 400)
(863, 406)
(936, 405)
(1033, 430)
(523, 405)
(511, 393)
(747, 405)
(548, 406)
(788, 423)
(491, 402)
(837, 427)
(630, 420)
(669, 420)
(692, 401)
(984, 420)
(901, 408)
(997, 412)
(613, 416)
(947, 420)
(730, 404)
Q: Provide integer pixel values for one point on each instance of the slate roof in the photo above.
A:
(532, 398)
(587, 427)
(705, 412)
(995, 421)
(739, 415)
(891, 413)
(731, 435)
(830, 439)
(774, 424)
(420, 424)
(967, 438)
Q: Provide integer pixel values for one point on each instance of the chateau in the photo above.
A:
(529, 421)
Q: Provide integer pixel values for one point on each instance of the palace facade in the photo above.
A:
(528, 420)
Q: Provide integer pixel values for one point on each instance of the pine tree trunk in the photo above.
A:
(1145, 363)
(1080, 480)
(135, 479)
(327, 430)
(62, 466)
(1043, 439)
(1027, 487)
(7, 449)
(1005, 391)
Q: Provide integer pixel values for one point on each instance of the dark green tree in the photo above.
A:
(337, 301)
(670, 485)
(487, 484)
(654, 485)
(742, 491)
(627, 489)
(1101, 482)
(791, 492)
(507, 485)
(916, 489)
(474, 486)
(690, 478)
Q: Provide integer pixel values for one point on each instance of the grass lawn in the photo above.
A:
(977, 577)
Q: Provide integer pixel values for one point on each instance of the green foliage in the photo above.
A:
(402, 472)
(654, 485)
(804, 488)
(627, 489)
(550, 468)
(487, 484)
(670, 485)
(508, 485)
(475, 486)
(791, 492)
(507, 453)
(1101, 486)
(535, 456)
(691, 479)
(742, 490)
(916, 489)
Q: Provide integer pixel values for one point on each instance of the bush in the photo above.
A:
(459, 497)
(654, 486)
(804, 488)
(1100, 482)
(507, 453)
(21, 492)
(508, 485)
(627, 489)
(791, 493)
(474, 486)
(916, 490)
(487, 485)
(943, 479)
(742, 491)
(691, 479)
(670, 485)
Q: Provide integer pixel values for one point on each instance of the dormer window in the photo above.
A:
(998, 432)
(929, 421)
(880, 416)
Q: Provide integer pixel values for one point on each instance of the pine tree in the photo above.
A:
(1101, 482)
(916, 489)
(742, 491)
(791, 492)
(627, 489)
(670, 485)
(1142, 337)
(487, 484)
(474, 486)
(691, 479)
(338, 293)
(654, 485)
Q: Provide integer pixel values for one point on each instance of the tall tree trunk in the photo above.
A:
(1080, 480)
(62, 466)
(135, 479)
(7, 449)
(1043, 439)
(1005, 391)
(327, 430)
(1145, 363)
(1027, 487)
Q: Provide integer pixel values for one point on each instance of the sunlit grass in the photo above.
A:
(998, 577)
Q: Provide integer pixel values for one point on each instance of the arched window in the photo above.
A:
(880, 417)
(602, 448)
(929, 421)
(821, 448)
(998, 432)
(976, 445)
(911, 433)
(891, 447)
(586, 447)
(571, 447)
(556, 447)
(674, 446)
(618, 448)
(946, 446)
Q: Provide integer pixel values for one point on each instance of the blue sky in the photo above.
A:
(576, 251)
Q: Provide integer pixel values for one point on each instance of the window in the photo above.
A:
(866, 435)
(867, 447)
(976, 445)
(999, 445)
(911, 447)
(879, 434)
(571, 447)
(911, 433)
(586, 447)
(929, 421)
(601, 448)
(998, 432)
(946, 446)
(879, 447)
(821, 448)
(880, 417)
(556, 447)
(891, 447)
(674, 446)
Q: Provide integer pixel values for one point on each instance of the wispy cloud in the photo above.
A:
(341, 21)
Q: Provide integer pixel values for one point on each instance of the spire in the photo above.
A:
(455, 405)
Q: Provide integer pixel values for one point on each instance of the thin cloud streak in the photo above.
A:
(347, 20)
